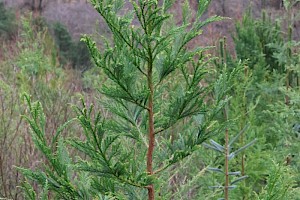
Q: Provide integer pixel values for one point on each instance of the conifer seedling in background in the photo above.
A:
(153, 96)
(226, 150)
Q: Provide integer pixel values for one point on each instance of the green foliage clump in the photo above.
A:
(69, 51)
(28, 67)
(255, 41)
(8, 25)
(63, 39)
(279, 185)
(272, 63)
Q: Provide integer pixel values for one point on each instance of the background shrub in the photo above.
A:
(76, 53)
(8, 24)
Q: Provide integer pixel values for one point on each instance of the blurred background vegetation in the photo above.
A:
(41, 54)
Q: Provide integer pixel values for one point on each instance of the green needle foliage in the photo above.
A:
(159, 109)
